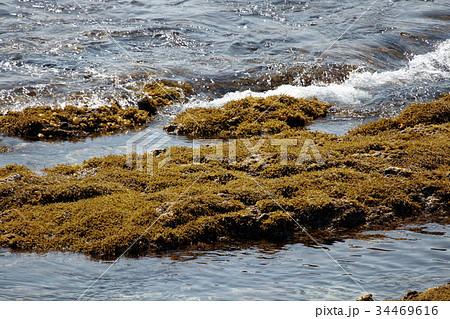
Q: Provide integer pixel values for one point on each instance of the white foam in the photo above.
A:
(432, 66)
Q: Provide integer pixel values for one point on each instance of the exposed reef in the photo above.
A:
(248, 117)
(441, 293)
(415, 116)
(72, 122)
(247, 189)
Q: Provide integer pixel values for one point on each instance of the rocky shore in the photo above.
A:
(381, 174)
(71, 122)
(248, 117)
(441, 293)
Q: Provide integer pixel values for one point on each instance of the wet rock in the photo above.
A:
(86, 172)
(397, 171)
(103, 214)
(380, 215)
(410, 295)
(72, 122)
(171, 129)
(248, 117)
(12, 178)
(365, 297)
(416, 114)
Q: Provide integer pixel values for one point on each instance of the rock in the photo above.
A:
(380, 215)
(365, 297)
(12, 178)
(410, 295)
(147, 104)
(76, 121)
(397, 171)
(171, 129)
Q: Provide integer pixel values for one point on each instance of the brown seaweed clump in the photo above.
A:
(70, 122)
(441, 293)
(80, 122)
(158, 94)
(248, 117)
(181, 197)
(3, 149)
(435, 112)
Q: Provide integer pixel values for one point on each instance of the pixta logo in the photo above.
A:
(143, 148)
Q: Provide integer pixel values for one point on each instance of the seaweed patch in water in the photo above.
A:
(248, 117)
(3, 149)
(73, 122)
(435, 112)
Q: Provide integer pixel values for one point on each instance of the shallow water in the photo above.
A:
(414, 258)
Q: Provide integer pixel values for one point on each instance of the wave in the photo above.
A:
(360, 86)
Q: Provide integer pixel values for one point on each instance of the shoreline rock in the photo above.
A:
(440, 293)
(101, 207)
(74, 123)
(248, 117)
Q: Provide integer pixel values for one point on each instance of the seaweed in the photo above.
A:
(248, 117)
(72, 123)
(364, 181)
(435, 112)
(441, 293)
(4, 149)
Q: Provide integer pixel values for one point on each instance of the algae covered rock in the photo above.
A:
(70, 122)
(3, 149)
(434, 112)
(157, 94)
(248, 117)
(441, 293)
(300, 74)
(108, 204)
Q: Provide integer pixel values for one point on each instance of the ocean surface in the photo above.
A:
(93, 52)
(386, 264)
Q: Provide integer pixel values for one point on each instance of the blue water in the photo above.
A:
(388, 266)
(91, 52)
